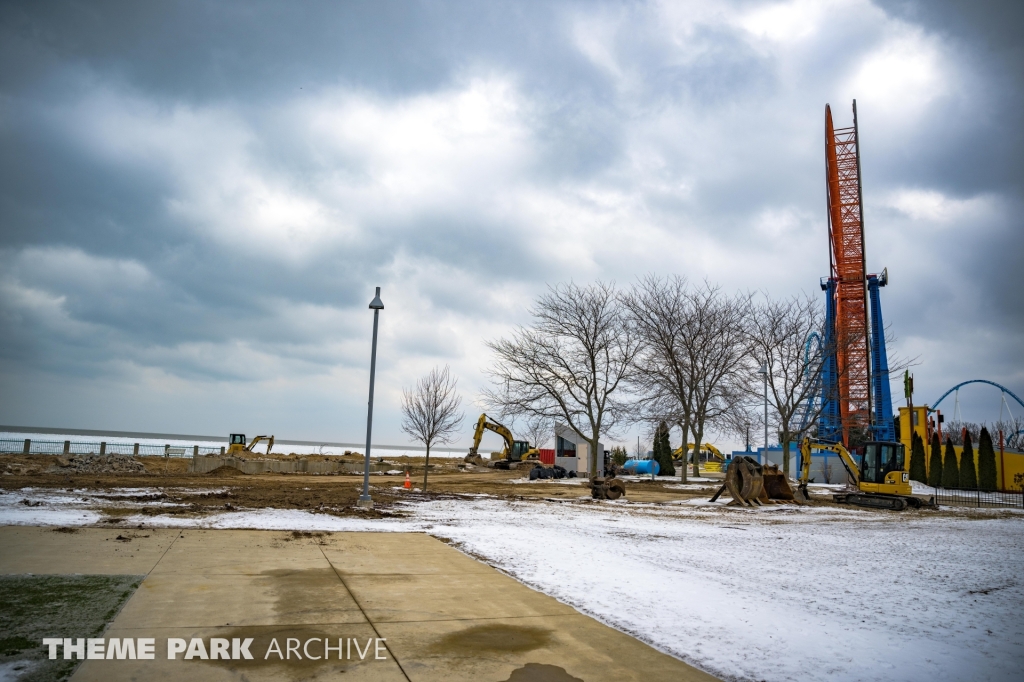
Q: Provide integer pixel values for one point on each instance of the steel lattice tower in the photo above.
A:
(846, 238)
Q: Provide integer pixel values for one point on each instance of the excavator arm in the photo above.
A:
(808, 446)
(257, 439)
(515, 450)
(678, 452)
(486, 423)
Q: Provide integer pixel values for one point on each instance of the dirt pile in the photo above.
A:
(227, 471)
(97, 464)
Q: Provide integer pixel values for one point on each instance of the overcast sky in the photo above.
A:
(197, 198)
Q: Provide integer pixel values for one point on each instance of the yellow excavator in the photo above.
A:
(237, 446)
(515, 450)
(879, 475)
(714, 462)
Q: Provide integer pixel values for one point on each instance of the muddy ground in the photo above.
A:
(228, 488)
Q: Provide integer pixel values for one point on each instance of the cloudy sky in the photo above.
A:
(197, 198)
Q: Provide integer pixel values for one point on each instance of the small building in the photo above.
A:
(572, 452)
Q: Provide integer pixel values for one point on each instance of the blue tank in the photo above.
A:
(641, 467)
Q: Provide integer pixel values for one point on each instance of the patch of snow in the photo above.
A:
(827, 486)
(777, 593)
(919, 488)
(50, 512)
(781, 592)
(693, 487)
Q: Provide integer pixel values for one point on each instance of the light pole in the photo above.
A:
(376, 305)
(764, 373)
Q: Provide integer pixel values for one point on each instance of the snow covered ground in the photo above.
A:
(778, 593)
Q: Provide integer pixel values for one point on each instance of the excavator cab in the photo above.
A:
(520, 448)
(881, 468)
(236, 443)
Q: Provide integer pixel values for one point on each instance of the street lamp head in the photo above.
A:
(764, 370)
(376, 303)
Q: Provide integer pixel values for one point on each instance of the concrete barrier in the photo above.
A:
(207, 463)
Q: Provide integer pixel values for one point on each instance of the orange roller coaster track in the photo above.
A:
(846, 238)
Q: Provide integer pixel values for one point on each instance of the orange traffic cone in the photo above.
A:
(408, 483)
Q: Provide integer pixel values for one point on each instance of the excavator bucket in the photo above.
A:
(744, 479)
(776, 487)
(751, 484)
(602, 488)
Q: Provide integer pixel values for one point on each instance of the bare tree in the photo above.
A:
(780, 335)
(1012, 429)
(538, 431)
(744, 421)
(430, 411)
(779, 332)
(570, 365)
(715, 348)
(659, 312)
(693, 353)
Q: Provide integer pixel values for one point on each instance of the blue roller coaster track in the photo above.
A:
(1013, 440)
(1002, 388)
(812, 378)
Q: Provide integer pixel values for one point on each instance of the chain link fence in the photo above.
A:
(68, 447)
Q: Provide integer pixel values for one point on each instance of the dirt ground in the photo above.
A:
(228, 488)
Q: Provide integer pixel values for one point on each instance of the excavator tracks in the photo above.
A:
(893, 502)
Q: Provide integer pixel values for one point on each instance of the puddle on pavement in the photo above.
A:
(301, 593)
(497, 637)
(539, 672)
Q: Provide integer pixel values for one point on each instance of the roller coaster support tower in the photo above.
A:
(852, 401)
(882, 426)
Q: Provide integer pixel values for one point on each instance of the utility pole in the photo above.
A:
(764, 373)
(365, 500)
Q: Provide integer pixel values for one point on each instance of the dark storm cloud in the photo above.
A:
(987, 36)
(200, 196)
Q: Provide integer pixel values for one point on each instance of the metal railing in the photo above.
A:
(67, 447)
(955, 497)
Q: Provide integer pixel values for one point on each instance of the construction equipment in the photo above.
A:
(880, 478)
(713, 459)
(710, 449)
(514, 451)
(237, 446)
(752, 484)
(602, 488)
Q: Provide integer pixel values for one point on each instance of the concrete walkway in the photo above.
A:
(437, 613)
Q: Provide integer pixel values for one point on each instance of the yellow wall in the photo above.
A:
(920, 425)
(1009, 466)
